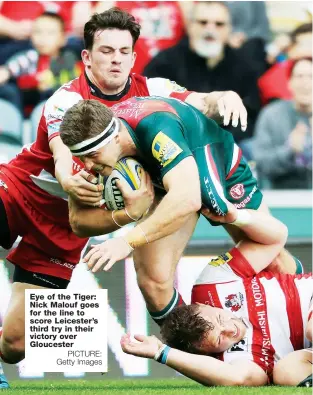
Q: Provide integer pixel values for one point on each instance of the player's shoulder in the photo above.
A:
(218, 270)
(64, 98)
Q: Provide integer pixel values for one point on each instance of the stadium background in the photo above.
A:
(127, 311)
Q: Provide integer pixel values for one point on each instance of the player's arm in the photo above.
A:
(183, 198)
(88, 222)
(221, 106)
(201, 368)
(162, 142)
(265, 235)
(81, 186)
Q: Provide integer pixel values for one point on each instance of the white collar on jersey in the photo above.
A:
(94, 143)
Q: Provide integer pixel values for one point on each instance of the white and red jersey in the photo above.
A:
(274, 307)
(33, 168)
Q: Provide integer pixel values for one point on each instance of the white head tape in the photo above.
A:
(94, 143)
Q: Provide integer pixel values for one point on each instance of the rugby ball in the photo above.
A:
(129, 171)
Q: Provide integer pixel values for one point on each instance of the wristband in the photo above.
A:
(159, 352)
(162, 354)
(129, 216)
(120, 226)
(243, 218)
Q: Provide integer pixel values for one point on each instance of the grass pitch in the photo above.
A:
(140, 387)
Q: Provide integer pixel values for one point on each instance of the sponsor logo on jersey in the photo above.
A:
(237, 191)
(246, 199)
(58, 109)
(174, 87)
(212, 198)
(164, 149)
(234, 301)
(58, 261)
(221, 260)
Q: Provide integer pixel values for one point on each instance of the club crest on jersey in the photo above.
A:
(221, 260)
(164, 149)
(234, 301)
(237, 191)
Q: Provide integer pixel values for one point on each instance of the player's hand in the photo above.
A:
(104, 255)
(145, 346)
(231, 108)
(83, 188)
(139, 201)
(297, 138)
(231, 215)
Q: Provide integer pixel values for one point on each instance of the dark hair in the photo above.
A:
(86, 119)
(302, 29)
(185, 330)
(53, 15)
(114, 18)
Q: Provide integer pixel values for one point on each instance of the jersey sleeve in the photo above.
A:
(166, 88)
(226, 267)
(161, 137)
(56, 107)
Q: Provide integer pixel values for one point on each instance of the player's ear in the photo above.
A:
(134, 56)
(117, 139)
(86, 57)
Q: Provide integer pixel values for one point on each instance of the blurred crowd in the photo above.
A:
(204, 46)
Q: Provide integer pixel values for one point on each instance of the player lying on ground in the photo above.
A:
(203, 168)
(32, 199)
(246, 325)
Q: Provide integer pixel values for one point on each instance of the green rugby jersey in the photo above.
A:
(165, 131)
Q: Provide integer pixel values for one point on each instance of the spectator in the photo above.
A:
(251, 31)
(283, 139)
(42, 70)
(274, 83)
(16, 20)
(204, 62)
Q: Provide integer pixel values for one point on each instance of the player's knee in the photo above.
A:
(154, 286)
(293, 368)
(281, 373)
(12, 348)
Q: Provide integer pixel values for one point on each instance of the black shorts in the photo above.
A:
(42, 280)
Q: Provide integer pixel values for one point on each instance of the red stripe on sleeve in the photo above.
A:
(180, 95)
(232, 171)
(53, 135)
(239, 264)
(213, 165)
